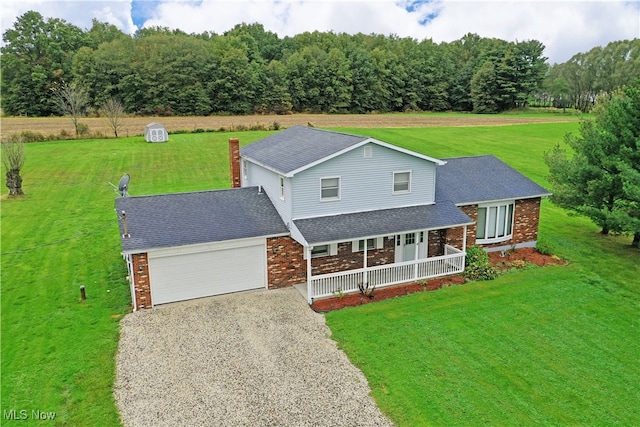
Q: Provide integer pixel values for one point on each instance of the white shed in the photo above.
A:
(155, 132)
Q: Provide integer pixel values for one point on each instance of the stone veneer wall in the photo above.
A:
(141, 282)
(346, 259)
(455, 237)
(436, 241)
(527, 220)
(472, 212)
(286, 265)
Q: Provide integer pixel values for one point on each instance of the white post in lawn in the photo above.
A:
(307, 249)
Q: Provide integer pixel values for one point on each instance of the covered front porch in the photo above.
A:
(381, 248)
(379, 276)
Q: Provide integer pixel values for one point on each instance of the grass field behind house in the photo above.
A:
(58, 354)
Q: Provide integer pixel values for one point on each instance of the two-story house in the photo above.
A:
(326, 209)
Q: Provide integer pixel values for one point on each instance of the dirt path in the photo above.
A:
(135, 125)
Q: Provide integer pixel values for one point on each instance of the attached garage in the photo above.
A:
(225, 268)
(183, 246)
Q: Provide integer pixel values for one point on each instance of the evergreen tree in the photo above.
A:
(602, 178)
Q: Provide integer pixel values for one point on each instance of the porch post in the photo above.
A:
(415, 258)
(307, 250)
(464, 240)
(364, 265)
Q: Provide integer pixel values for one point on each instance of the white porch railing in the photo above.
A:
(325, 285)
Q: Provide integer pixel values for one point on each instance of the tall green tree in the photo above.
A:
(602, 178)
(275, 97)
(235, 80)
(36, 59)
(106, 70)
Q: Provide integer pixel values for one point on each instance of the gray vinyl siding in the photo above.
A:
(365, 183)
(270, 182)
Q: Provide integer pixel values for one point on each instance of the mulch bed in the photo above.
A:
(519, 258)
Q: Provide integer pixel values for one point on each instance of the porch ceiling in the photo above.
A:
(383, 222)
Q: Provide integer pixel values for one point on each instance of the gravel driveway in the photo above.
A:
(259, 358)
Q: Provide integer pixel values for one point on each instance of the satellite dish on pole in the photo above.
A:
(123, 185)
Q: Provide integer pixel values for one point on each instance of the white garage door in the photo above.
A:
(183, 276)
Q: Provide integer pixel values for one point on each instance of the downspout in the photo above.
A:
(131, 282)
(307, 249)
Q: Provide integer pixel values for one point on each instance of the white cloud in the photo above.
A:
(564, 27)
(76, 12)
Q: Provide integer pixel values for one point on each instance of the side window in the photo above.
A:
(401, 182)
(282, 187)
(330, 188)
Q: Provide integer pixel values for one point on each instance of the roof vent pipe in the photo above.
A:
(126, 227)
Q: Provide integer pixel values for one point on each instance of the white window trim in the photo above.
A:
(331, 199)
(506, 237)
(332, 250)
(378, 243)
(393, 182)
(245, 169)
(281, 184)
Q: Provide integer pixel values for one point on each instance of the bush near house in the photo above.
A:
(478, 266)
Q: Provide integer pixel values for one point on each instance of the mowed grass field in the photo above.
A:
(554, 345)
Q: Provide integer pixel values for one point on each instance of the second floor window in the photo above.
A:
(330, 188)
(401, 182)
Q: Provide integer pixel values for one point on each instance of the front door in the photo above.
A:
(406, 247)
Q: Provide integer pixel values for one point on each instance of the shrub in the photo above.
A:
(478, 266)
(473, 254)
(519, 263)
(25, 136)
(83, 129)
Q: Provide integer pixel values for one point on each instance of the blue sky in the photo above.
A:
(565, 27)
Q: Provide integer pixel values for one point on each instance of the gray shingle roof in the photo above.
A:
(179, 219)
(298, 146)
(467, 180)
(381, 222)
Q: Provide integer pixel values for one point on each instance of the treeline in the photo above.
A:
(247, 70)
(578, 82)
